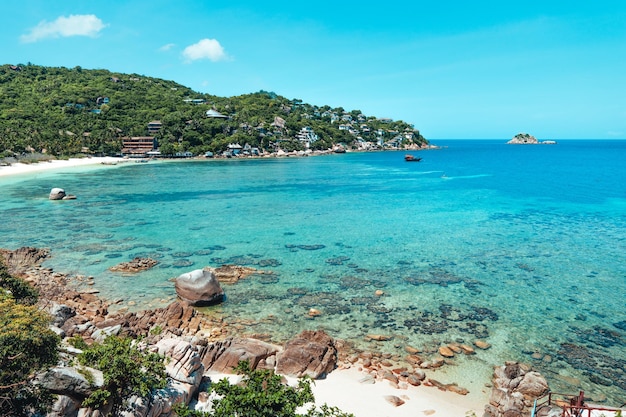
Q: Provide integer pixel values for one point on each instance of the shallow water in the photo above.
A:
(522, 246)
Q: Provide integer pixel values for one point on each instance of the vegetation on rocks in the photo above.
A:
(26, 347)
(127, 371)
(62, 112)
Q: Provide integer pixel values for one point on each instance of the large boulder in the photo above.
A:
(311, 353)
(223, 356)
(69, 381)
(57, 194)
(199, 287)
(183, 364)
(515, 387)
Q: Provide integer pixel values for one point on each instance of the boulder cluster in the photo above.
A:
(515, 387)
(198, 347)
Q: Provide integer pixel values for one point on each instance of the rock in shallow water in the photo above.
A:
(199, 287)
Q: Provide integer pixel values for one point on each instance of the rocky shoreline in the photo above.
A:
(199, 345)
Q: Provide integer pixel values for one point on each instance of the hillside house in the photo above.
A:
(154, 126)
(307, 136)
(214, 114)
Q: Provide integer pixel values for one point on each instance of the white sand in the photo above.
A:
(343, 389)
(18, 169)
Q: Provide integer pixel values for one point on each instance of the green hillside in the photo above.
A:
(66, 112)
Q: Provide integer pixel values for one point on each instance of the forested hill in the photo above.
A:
(63, 112)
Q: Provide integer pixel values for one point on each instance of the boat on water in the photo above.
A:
(411, 158)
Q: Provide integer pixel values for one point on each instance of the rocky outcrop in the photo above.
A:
(523, 139)
(515, 387)
(134, 266)
(199, 287)
(311, 353)
(223, 356)
(19, 260)
(526, 139)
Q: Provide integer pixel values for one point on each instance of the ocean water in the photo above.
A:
(521, 246)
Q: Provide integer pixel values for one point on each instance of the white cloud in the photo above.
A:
(205, 49)
(167, 47)
(73, 25)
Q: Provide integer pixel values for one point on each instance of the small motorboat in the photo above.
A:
(411, 158)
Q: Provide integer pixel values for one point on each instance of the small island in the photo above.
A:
(526, 139)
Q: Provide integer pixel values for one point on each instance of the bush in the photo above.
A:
(26, 347)
(127, 371)
(262, 393)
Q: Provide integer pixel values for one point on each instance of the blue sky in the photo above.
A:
(454, 69)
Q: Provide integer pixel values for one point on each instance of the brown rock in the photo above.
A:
(311, 353)
(468, 350)
(393, 400)
(411, 350)
(379, 337)
(481, 344)
(225, 355)
(414, 380)
(456, 389)
(455, 348)
(533, 385)
(231, 274)
(446, 352)
(134, 266)
(389, 376)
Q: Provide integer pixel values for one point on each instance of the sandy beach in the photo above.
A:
(343, 388)
(352, 392)
(19, 168)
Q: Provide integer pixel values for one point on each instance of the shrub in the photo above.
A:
(127, 371)
(26, 346)
(262, 393)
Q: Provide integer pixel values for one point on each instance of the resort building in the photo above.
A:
(307, 136)
(138, 146)
(154, 126)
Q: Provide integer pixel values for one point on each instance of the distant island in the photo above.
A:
(526, 139)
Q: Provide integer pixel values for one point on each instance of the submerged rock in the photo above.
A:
(136, 265)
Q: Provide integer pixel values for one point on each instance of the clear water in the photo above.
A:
(522, 246)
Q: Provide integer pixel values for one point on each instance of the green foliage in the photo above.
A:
(127, 371)
(156, 330)
(16, 288)
(63, 112)
(26, 346)
(262, 393)
(78, 342)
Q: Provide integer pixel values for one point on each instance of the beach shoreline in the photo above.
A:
(54, 164)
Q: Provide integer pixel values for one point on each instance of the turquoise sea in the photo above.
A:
(521, 246)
